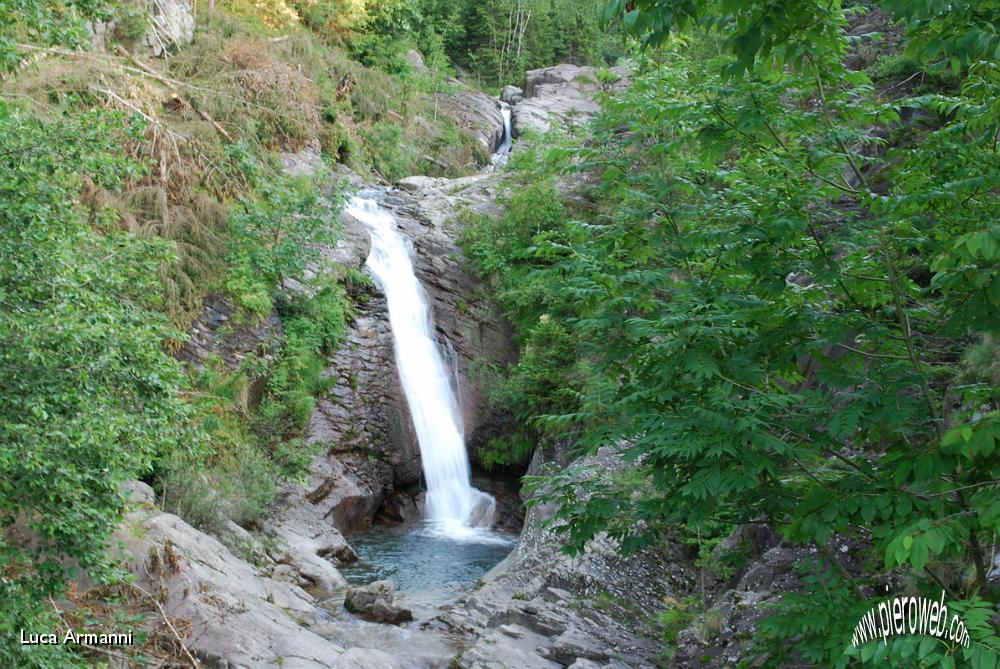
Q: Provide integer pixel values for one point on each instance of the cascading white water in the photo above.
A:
(502, 153)
(454, 508)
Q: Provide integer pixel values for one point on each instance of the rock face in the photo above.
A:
(476, 113)
(217, 332)
(375, 602)
(171, 25)
(371, 449)
(541, 608)
(363, 421)
(563, 92)
(243, 618)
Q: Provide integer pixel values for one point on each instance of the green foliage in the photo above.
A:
(507, 253)
(131, 24)
(767, 304)
(676, 616)
(496, 39)
(387, 150)
(504, 38)
(46, 23)
(313, 326)
(253, 418)
(88, 395)
(276, 233)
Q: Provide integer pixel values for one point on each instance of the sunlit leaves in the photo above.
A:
(88, 397)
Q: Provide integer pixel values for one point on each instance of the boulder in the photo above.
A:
(560, 94)
(511, 94)
(217, 332)
(374, 602)
(415, 60)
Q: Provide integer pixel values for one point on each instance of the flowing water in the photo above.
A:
(453, 508)
(502, 154)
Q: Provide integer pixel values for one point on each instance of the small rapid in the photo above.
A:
(453, 508)
(502, 153)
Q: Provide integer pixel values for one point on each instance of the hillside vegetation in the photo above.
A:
(771, 282)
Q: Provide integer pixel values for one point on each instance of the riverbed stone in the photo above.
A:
(594, 606)
(375, 602)
(574, 644)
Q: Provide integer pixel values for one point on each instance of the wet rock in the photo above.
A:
(375, 602)
(511, 95)
(470, 326)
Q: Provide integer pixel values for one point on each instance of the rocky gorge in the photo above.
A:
(277, 596)
(275, 602)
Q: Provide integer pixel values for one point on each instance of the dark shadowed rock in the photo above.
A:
(220, 331)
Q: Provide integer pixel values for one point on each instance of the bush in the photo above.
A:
(388, 153)
(88, 397)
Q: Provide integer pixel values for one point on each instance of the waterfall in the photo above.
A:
(453, 508)
(502, 153)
